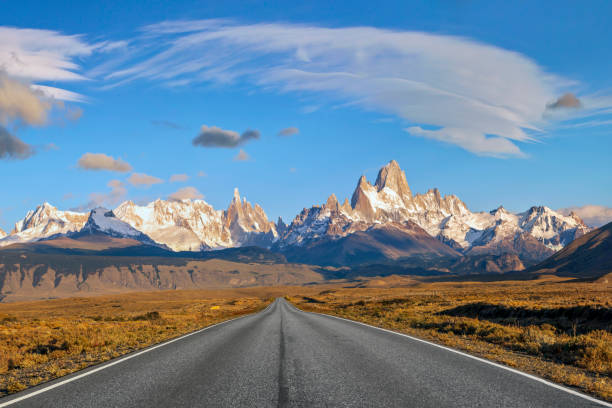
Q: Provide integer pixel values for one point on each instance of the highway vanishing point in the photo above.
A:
(283, 357)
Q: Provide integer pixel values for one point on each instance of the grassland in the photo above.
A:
(43, 340)
(559, 331)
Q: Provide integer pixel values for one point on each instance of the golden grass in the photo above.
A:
(43, 340)
(560, 331)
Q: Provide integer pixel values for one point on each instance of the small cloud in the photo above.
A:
(309, 109)
(100, 161)
(202, 174)
(19, 102)
(292, 170)
(167, 124)
(141, 179)
(186, 193)
(110, 199)
(290, 131)
(217, 137)
(67, 196)
(11, 147)
(593, 215)
(568, 101)
(74, 114)
(242, 156)
(51, 146)
(178, 178)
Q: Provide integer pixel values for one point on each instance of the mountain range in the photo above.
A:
(382, 221)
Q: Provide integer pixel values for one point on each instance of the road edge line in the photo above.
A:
(482, 360)
(118, 360)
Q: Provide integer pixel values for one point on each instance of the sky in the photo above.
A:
(499, 103)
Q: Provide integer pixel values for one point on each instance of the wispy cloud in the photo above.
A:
(101, 161)
(141, 179)
(167, 124)
(290, 131)
(217, 137)
(45, 55)
(178, 178)
(116, 194)
(186, 193)
(483, 98)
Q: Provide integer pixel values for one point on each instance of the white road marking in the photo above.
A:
(117, 361)
(532, 377)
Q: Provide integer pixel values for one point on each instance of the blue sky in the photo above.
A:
(456, 92)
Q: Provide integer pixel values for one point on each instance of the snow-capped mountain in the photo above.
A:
(2, 233)
(104, 221)
(535, 233)
(182, 225)
(248, 225)
(43, 222)
(194, 225)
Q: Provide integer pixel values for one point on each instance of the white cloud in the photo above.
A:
(101, 161)
(480, 97)
(141, 179)
(37, 55)
(178, 178)
(186, 193)
(593, 215)
(202, 174)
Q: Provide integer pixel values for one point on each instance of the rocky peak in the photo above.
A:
(281, 227)
(360, 201)
(393, 177)
(332, 203)
(2, 233)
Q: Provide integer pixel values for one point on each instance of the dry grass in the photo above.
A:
(560, 331)
(43, 340)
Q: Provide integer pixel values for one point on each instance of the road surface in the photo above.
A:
(282, 357)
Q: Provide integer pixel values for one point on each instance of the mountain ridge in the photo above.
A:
(194, 225)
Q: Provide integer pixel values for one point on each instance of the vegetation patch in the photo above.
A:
(560, 331)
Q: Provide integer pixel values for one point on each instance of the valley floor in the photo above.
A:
(558, 330)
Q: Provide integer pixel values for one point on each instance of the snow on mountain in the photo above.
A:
(2, 233)
(193, 225)
(536, 232)
(182, 225)
(249, 225)
(43, 222)
(104, 221)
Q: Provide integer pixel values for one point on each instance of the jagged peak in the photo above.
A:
(236, 194)
(363, 182)
(393, 177)
(499, 209)
(332, 202)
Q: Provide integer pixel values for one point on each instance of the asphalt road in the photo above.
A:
(288, 358)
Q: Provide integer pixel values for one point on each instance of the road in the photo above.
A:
(282, 357)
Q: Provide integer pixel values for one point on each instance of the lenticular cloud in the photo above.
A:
(480, 97)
